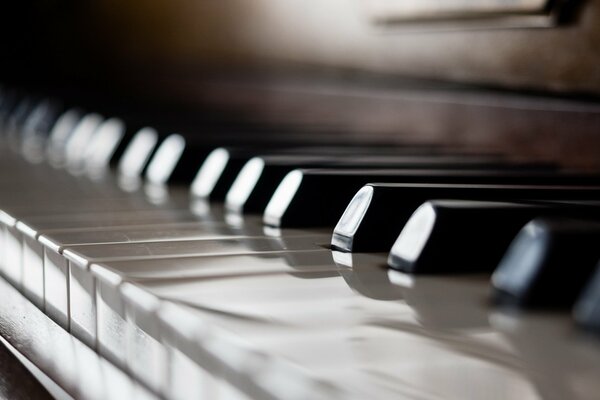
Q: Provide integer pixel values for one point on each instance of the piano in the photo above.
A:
(300, 200)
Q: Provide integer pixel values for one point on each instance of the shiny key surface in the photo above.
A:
(55, 266)
(377, 212)
(548, 263)
(32, 274)
(259, 178)
(587, 308)
(319, 197)
(252, 174)
(110, 308)
(83, 297)
(458, 236)
(424, 324)
(84, 255)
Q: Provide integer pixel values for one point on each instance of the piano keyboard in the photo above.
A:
(147, 264)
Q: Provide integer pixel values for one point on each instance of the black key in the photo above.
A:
(257, 181)
(137, 154)
(16, 119)
(60, 134)
(10, 99)
(373, 228)
(79, 141)
(37, 127)
(319, 197)
(331, 148)
(463, 236)
(587, 308)
(176, 161)
(254, 185)
(217, 172)
(128, 135)
(223, 166)
(548, 263)
(179, 158)
(103, 144)
(362, 237)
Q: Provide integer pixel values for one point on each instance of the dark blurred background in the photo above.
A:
(319, 66)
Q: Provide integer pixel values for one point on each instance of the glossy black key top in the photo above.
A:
(464, 236)
(10, 99)
(258, 179)
(129, 133)
(102, 145)
(178, 158)
(37, 127)
(186, 158)
(367, 225)
(176, 161)
(218, 170)
(60, 134)
(79, 140)
(260, 176)
(319, 197)
(223, 165)
(137, 153)
(16, 120)
(587, 309)
(548, 263)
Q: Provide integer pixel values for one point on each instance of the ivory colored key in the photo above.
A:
(303, 320)
(82, 284)
(199, 351)
(55, 266)
(116, 333)
(28, 233)
(143, 344)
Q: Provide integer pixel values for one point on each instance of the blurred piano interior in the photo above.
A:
(129, 288)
